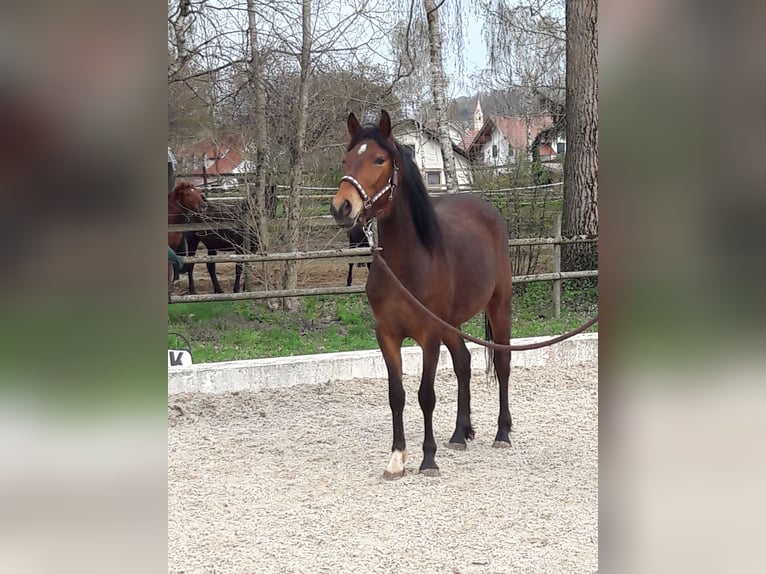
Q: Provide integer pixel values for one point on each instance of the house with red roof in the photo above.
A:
(504, 140)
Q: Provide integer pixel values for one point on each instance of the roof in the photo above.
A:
(222, 157)
(468, 138)
(514, 128)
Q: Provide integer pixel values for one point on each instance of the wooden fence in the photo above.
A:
(363, 255)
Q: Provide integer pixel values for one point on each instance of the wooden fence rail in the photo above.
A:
(277, 293)
(351, 252)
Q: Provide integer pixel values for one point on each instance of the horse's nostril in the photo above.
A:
(346, 207)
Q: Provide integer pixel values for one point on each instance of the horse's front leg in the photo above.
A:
(349, 275)
(391, 347)
(427, 399)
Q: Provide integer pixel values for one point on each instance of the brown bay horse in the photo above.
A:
(451, 253)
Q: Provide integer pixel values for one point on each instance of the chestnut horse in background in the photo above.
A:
(451, 253)
(184, 201)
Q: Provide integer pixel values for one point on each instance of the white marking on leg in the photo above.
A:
(362, 149)
(396, 464)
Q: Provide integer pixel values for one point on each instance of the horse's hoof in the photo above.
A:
(501, 444)
(392, 475)
(430, 472)
(456, 445)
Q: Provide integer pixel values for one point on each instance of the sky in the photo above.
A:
(473, 56)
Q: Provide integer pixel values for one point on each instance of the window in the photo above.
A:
(433, 178)
(561, 147)
(494, 150)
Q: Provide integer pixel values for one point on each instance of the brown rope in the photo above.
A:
(412, 299)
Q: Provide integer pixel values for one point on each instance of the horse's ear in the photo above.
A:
(353, 125)
(384, 125)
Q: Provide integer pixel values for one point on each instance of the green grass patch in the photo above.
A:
(236, 330)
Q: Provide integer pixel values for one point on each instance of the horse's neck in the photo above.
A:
(175, 214)
(397, 235)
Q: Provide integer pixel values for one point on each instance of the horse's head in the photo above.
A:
(189, 198)
(371, 173)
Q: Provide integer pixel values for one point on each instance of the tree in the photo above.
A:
(258, 92)
(298, 153)
(580, 209)
(439, 89)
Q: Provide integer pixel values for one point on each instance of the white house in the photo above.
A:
(427, 153)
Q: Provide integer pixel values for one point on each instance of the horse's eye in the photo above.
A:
(380, 160)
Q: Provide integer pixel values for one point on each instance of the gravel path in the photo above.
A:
(290, 480)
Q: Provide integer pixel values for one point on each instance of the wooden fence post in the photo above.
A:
(557, 267)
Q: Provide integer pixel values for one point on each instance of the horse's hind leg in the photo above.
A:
(461, 362)
(211, 272)
(499, 316)
(237, 276)
(427, 399)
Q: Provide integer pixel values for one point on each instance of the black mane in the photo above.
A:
(411, 187)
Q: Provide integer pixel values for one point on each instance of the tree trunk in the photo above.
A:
(580, 209)
(259, 224)
(438, 89)
(180, 32)
(299, 143)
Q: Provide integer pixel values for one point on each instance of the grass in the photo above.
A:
(236, 330)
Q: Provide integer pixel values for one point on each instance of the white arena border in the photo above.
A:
(257, 374)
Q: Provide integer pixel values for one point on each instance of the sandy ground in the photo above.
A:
(290, 480)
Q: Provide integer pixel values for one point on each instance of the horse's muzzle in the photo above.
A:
(342, 214)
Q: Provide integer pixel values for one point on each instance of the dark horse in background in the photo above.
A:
(451, 253)
(215, 240)
(234, 214)
(356, 238)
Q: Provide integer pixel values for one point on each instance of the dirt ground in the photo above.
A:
(290, 480)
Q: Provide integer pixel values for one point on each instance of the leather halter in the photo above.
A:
(391, 186)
